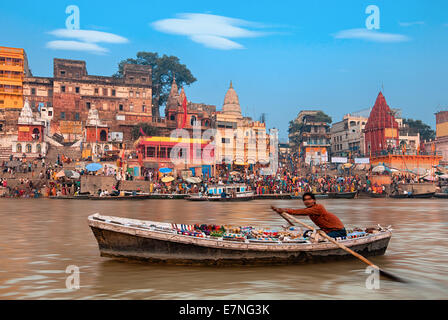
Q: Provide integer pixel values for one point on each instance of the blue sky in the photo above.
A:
(282, 56)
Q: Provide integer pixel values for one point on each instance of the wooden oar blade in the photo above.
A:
(392, 277)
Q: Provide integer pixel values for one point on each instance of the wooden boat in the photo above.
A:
(422, 195)
(342, 195)
(157, 242)
(399, 196)
(274, 196)
(317, 195)
(441, 195)
(80, 197)
(227, 192)
(125, 197)
(378, 195)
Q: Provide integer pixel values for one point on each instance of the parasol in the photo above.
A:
(193, 180)
(379, 169)
(94, 166)
(165, 170)
(167, 179)
(72, 174)
(60, 174)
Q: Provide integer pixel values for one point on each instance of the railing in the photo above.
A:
(406, 153)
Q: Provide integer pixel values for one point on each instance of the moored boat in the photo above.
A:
(227, 192)
(342, 195)
(378, 195)
(399, 196)
(441, 195)
(422, 195)
(158, 242)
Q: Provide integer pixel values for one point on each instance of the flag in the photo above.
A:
(184, 106)
(142, 132)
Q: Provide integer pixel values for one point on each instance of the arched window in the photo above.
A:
(193, 120)
(172, 117)
(28, 148)
(39, 148)
(36, 134)
(19, 148)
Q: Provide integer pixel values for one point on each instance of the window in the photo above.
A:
(162, 152)
(137, 94)
(39, 148)
(50, 113)
(151, 152)
(225, 140)
(104, 92)
(77, 116)
(28, 148)
(143, 79)
(1, 126)
(120, 107)
(33, 91)
(62, 88)
(96, 90)
(2, 101)
(172, 117)
(77, 89)
(131, 78)
(19, 148)
(63, 115)
(144, 94)
(62, 73)
(113, 92)
(193, 120)
(131, 108)
(143, 108)
(88, 105)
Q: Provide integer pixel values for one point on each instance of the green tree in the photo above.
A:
(417, 126)
(148, 129)
(321, 116)
(164, 69)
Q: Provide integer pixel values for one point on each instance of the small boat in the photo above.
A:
(441, 195)
(158, 242)
(422, 195)
(274, 196)
(227, 192)
(80, 197)
(378, 195)
(399, 196)
(342, 195)
(121, 197)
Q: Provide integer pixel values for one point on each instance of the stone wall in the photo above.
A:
(91, 184)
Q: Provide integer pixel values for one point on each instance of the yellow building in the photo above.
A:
(13, 67)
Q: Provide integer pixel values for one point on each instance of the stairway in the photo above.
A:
(5, 152)
(67, 151)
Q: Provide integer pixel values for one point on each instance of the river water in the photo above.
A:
(40, 238)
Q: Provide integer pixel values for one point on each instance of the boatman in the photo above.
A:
(325, 220)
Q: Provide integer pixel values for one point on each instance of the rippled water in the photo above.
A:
(40, 238)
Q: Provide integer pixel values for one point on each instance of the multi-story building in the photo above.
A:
(312, 139)
(240, 140)
(13, 68)
(439, 146)
(347, 136)
(71, 92)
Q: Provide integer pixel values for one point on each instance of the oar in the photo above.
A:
(386, 274)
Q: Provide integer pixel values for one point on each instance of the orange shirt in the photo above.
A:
(320, 216)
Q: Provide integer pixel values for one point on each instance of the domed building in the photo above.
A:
(238, 138)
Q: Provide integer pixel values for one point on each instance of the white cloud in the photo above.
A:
(370, 35)
(76, 46)
(210, 30)
(410, 24)
(84, 40)
(90, 36)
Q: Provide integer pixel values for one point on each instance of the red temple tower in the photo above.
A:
(381, 130)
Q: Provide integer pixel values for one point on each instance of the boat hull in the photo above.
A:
(422, 195)
(118, 241)
(441, 195)
(342, 195)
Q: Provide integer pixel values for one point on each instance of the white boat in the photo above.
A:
(225, 192)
